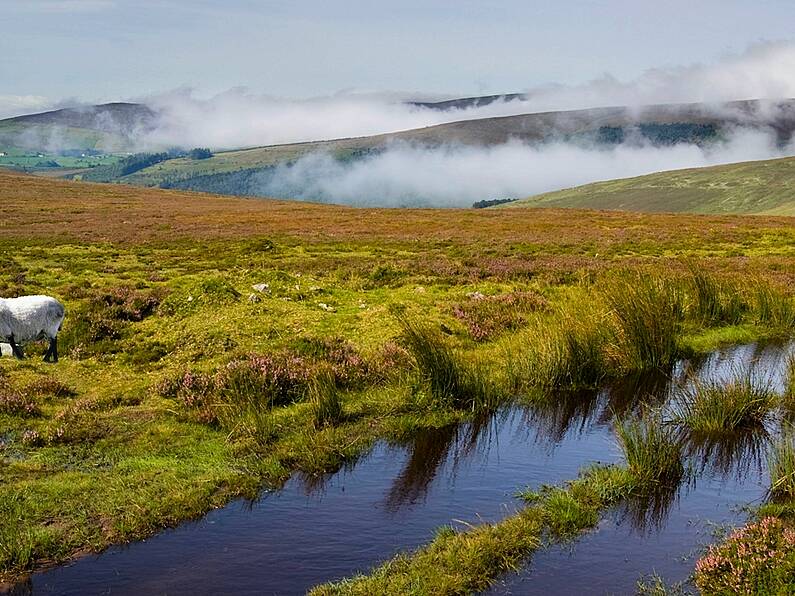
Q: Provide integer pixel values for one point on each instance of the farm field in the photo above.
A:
(217, 346)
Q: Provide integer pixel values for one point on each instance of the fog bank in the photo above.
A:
(457, 176)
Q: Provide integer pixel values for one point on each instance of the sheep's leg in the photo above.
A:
(52, 351)
(15, 349)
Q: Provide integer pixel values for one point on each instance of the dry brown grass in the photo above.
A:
(50, 209)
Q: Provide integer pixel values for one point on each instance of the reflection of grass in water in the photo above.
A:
(729, 454)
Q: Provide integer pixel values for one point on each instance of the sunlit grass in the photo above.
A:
(712, 408)
(653, 452)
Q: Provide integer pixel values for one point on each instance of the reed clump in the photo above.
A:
(781, 463)
(648, 312)
(653, 453)
(713, 408)
(449, 377)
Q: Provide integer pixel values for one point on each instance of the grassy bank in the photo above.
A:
(214, 345)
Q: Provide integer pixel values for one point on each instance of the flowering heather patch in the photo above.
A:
(194, 390)
(486, 316)
(390, 359)
(756, 559)
(348, 367)
(127, 304)
(279, 378)
(15, 403)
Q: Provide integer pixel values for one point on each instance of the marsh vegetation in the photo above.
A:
(217, 346)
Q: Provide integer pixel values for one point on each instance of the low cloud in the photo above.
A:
(238, 118)
(12, 105)
(406, 175)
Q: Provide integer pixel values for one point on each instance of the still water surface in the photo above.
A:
(319, 529)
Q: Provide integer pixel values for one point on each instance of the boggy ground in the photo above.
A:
(181, 386)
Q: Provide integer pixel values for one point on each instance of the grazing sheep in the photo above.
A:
(31, 318)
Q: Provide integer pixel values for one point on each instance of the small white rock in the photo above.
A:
(262, 288)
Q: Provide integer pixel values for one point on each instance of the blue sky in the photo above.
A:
(99, 50)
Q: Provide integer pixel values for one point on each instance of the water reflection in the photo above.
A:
(427, 452)
(734, 454)
(321, 527)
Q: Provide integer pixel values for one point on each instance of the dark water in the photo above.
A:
(319, 529)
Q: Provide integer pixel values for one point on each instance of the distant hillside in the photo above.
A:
(107, 127)
(467, 102)
(761, 187)
(231, 171)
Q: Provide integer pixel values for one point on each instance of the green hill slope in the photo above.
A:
(749, 187)
(660, 125)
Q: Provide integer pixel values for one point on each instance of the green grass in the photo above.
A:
(653, 453)
(715, 302)
(749, 187)
(171, 409)
(782, 467)
(711, 409)
(648, 310)
(450, 379)
(326, 402)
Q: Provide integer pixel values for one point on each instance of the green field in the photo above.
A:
(749, 187)
(181, 385)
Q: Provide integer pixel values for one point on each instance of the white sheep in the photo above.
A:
(31, 318)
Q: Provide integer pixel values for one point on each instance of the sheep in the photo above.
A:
(31, 318)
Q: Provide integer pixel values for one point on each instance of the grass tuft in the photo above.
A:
(570, 353)
(782, 467)
(648, 313)
(326, 401)
(450, 379)
(775, 308)
(653, 453)
(714, 302)
(712, 408)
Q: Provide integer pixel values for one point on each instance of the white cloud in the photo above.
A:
(238, 118)
(11, 105)
(458, 176)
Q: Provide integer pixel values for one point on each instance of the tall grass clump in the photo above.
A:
(449, 377)
(713, 408)
(775, 308)
(781, 463)
(648, 313)
(714, 302)
(17, 541)
(653, 453)
(569, 353)
(789, 380)
(325, 401)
